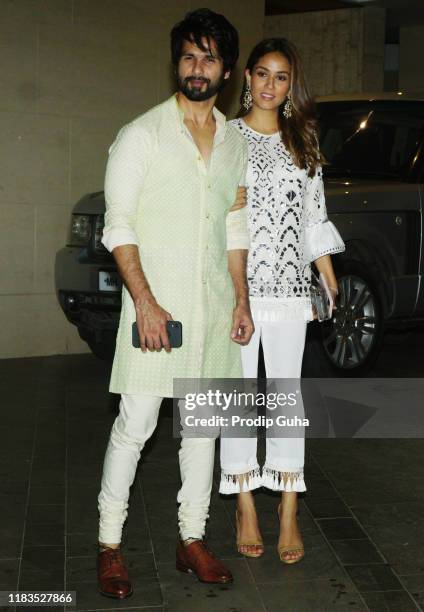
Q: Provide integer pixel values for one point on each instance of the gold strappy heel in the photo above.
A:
(283, 550)
(252, 545)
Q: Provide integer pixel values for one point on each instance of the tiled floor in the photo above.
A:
(362, 517)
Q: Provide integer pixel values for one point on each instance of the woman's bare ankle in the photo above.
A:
(245, 501)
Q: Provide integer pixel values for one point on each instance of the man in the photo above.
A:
(181, 250)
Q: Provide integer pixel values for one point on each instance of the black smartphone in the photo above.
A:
(175, 334)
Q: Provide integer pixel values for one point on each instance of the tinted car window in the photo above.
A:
(370, 138)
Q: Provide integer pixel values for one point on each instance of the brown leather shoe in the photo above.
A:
(196, 558)
(112, 575)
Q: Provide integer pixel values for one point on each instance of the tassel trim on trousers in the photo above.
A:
(270, 478)
(240, 483)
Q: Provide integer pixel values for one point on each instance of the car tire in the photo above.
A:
(348, 344)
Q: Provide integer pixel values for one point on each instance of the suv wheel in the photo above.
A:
(349, 344)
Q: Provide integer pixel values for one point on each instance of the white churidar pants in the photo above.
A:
(136, 422)
(283, 344)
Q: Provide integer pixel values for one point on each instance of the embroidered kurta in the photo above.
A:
(289, 228)
(161, 196)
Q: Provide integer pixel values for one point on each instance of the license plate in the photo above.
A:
(109, 281)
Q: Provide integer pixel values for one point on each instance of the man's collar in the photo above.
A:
(221, 122)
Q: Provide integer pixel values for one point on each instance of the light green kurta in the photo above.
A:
(180, 225)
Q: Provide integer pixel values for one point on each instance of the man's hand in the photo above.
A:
(241, 199)
(151, 325)
(243, 326)
(151, 318)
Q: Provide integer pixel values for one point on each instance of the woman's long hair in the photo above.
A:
(299, 132)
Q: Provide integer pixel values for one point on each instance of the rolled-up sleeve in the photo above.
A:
(236, 223)
(237, 229)
(125, 170)
(321, 235)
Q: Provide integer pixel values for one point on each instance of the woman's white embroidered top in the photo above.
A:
(288, 225)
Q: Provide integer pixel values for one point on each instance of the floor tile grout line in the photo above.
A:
(65, 537)
(127, 555)
(340, 564)
(45, 545)
(302, 581)
(329, 518)
(332, 518)
(407, 591)
(34, 441)
(35, 505)
(149, 531)
(343, 567)
(407, 501)
(364, 530)
(350, 540)
(386, 591)
(158, 606)
(340, 496)
(360, 563)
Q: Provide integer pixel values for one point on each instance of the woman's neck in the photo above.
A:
(263, 121)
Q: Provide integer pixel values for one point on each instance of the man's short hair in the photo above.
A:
(204, 23)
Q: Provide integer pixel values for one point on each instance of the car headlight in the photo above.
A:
(80, 230)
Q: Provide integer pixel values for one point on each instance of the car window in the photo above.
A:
(370, 139)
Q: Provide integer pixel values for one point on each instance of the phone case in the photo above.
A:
(175, 334)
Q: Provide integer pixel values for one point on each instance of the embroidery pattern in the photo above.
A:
(277, 217)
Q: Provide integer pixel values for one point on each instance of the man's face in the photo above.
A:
(200, 73)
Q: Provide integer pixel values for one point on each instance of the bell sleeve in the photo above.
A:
(321, 235)
(125, 170)
(236, 222)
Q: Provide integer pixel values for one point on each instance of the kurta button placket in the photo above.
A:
(203, 171)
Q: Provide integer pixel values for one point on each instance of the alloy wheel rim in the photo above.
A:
(350, 335)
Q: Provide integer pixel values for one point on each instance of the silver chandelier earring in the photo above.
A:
(247, 98)
(288, 107)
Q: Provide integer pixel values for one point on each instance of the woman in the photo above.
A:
(289, 230)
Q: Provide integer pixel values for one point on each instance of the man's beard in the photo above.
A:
(196, 94)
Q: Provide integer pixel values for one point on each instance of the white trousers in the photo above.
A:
(136, 422)
(283, 344)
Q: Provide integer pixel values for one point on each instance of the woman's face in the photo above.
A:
(270, 80)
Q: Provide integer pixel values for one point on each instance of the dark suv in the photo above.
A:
(374, 148)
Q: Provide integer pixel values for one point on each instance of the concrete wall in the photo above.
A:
(342, 50)
(72, 73)
(411, 73)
